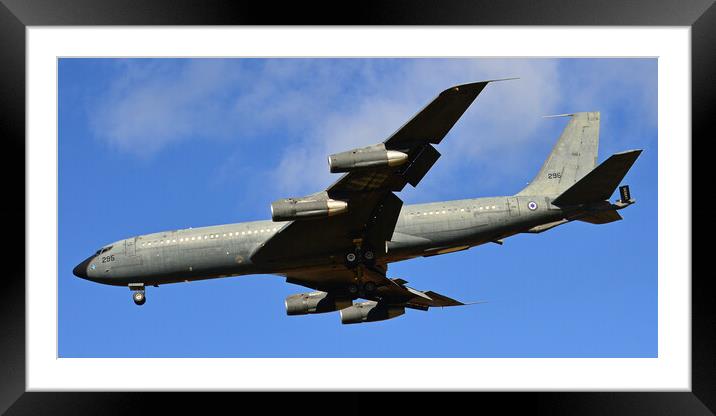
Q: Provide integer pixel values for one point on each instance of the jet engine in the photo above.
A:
(314, 302)
(306, 208)
(370, 312)
(365, 157)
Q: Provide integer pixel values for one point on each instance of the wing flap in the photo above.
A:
(425, 160)
(383, 220)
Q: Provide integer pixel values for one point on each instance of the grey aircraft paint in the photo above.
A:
(376, 229)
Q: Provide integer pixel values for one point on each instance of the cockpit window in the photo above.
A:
(102, 250)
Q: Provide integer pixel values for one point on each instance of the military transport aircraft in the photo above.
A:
(340, 241)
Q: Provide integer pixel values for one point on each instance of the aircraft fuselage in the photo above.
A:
(225, 250)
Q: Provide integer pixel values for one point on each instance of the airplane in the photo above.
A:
(339, 242)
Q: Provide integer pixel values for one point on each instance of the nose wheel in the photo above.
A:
(138, 295)
(139, 298)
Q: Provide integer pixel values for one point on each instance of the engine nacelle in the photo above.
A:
(365, 157)
(370, 312)
(306, 208)
(314, 302)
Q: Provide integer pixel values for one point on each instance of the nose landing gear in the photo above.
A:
(139, 298)
(138, 293)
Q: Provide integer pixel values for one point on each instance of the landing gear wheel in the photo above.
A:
(139, 298)
(369, 287)
(368, 257)
(352, 289)
(352, 259)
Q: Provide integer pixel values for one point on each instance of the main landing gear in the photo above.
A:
(358, 289)
(357, 260)
(360, 256)
(138, 293)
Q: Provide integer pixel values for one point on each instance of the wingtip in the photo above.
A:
(501, 79)
(477, 83)
(459, 303)
(474, 303)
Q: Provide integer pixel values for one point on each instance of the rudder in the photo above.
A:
(574, 155)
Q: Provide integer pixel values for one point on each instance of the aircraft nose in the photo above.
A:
(81, 269)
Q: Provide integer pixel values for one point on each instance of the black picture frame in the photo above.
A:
(16, 15)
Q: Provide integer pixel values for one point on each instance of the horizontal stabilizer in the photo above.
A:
(600, 183)
(601, 217)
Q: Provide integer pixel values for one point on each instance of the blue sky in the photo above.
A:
(154, 144)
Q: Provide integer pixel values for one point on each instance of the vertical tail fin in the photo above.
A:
(574, 155)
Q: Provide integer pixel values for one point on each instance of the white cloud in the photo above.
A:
(316, 107)
(152, 104)
(488, 125)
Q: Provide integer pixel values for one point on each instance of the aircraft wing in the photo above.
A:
(373, 208)
(390, 291)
